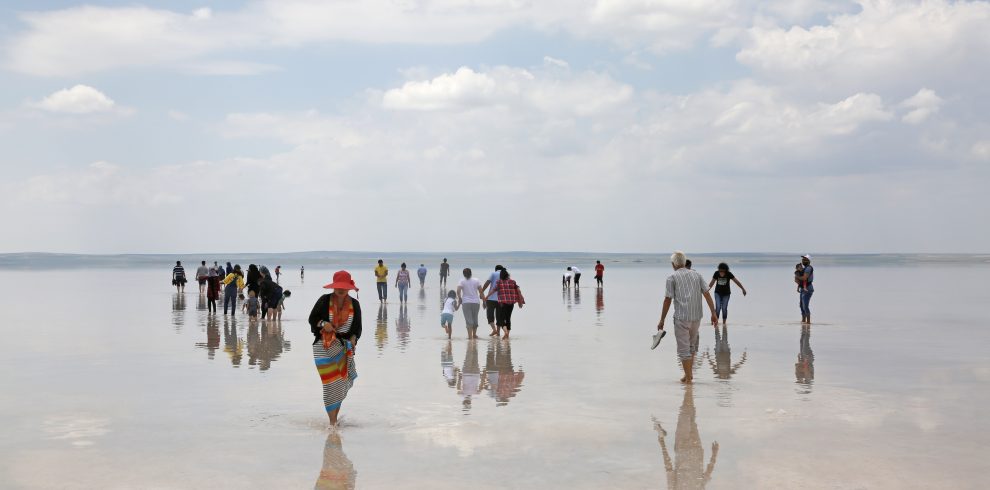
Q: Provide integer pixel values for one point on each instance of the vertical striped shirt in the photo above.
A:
(685, 288)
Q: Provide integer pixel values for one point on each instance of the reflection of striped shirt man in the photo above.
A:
(685, 288)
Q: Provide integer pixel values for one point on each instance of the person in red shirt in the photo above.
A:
(599, 272)
(508, 295)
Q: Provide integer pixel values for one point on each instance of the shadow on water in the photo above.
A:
(804, 368)
(381, 329)
(403, 327)
(212, 337)
(232, 345)
(687, 469)
(178, 311)
(421, 306)
(201, 302)
(265, 343)
(337, 471)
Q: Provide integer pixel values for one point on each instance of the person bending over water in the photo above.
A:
(336, 325)
(723, 289)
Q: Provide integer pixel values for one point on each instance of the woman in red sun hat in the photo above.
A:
(336, 324)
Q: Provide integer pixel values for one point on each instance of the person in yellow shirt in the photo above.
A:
(381, 280)
(233, 284)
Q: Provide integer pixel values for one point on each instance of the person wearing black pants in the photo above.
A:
(491, 299)
(508, 295)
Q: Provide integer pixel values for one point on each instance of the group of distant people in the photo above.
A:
(575, 273)
(265, 296)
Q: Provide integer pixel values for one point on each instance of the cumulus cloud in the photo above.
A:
(551, 91)
(920, 106)
(885, 44)
(80, 99)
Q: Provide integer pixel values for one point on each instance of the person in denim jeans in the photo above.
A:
(807, 278)
(723, 289)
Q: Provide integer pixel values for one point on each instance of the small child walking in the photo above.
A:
(447, 316)
(251, 306)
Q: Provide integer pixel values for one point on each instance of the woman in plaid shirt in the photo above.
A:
(508, 295)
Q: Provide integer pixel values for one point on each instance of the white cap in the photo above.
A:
(806, 256)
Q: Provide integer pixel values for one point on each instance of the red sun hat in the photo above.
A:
(341, 280)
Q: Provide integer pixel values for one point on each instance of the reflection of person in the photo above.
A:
(599, 302)
(599, 272)
(684, 289)
(336, 325)
(447, 365)
(804, 368)
(469, 381)
(722, 365)
(337, 471)
(381, 330)
(723, 289)
(212, 337)
(509, 380)
(806, 279)
(402, 326)
(231, 344)
(686, 471)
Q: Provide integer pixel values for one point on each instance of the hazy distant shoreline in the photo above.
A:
(318, 259)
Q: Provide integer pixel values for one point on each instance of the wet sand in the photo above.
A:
(111, 380)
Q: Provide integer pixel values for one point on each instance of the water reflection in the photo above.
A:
(178, 310)
(265, 343)
(447, 365)
(201, 302)
(421, 306)
(381, 329)
(232, 345)
(567, 299)
(402, 327)
(687, 470)
(337, 471)
(501, 378)
(722, 365)
(577, 296)
(599, 305)
(804, 368)
(469, 380)
(212, 337)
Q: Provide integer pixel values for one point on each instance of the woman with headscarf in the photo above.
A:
(336, 325)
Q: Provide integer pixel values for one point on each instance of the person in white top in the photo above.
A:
(566, 280)
(577, 276)
(447, 316)
(469, 296)
(202, 274)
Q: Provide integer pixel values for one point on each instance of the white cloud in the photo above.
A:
(921, 105)
(552, 91)
(80, 99)
(886, 44)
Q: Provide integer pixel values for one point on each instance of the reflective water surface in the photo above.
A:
(115, 386)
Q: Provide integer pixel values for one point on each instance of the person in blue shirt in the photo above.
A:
(421, 272)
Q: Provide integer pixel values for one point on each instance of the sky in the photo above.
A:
(495, 125)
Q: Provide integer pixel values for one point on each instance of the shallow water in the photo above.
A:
(111, 380)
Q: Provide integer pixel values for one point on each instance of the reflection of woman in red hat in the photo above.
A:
(336, 323)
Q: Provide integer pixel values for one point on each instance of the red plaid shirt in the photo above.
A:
(508, 291)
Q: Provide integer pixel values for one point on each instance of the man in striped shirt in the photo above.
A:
(684, 289)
